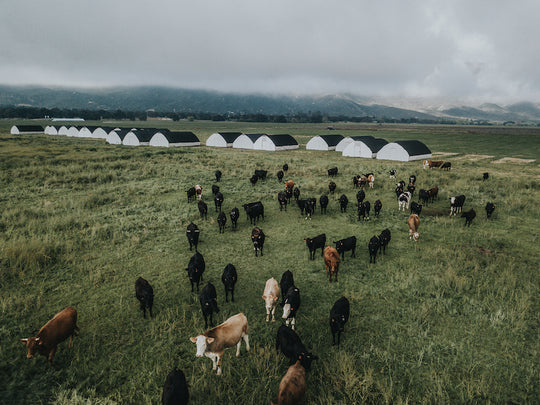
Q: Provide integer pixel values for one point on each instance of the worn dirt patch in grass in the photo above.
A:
(474, 158)
(513, 160)
(444, 153)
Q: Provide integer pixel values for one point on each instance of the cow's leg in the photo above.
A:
(273, 313)
(246, 339)
(52, 353)
(218, 364)
(267, 314)
(232, 295)
(238, 348)
(293, 321)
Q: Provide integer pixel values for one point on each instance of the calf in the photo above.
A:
(280, 175)
(384, 239)
(469, 216)
(323, 202)
(363, 210)
(222, 221)
(332, 187)
(62, 325)
(218, 201)
(296, 193)
(191, 193)
(343, 245)
(292, 347)
(229, 278)
(234, 214)
(315, 243)
(393, 173)
(282, 199)
(292, 303)
(258, 237)
(145, 294)
(270, 297)
(343, 201)
(175, 390)
(333, 171)
(195, 269)
(292, 387)
(456, 204)
(213, 343)
(339, 315)
(287, 281)
(215, 189)
(203, 209)
(198, 191)
(490, 207)
(331, 263)
(446, 166)
(424, 196)
(254, 211)
(208, 300)
(485, 176)
(192, 234)
(416, 208)
(413, 222)
(360, 196)
(218, 175)
(403, 200)
(377, 207)
(373, 247)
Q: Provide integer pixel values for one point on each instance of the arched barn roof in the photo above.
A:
(275, 142)
(348, 139)
(324, 142)
(404, 151)
(116, 136)
(222, 139)
(246, 141)
(26, 129)
(366, 148)
(138, 137)
(171, 139)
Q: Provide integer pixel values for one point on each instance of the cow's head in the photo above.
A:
(452, 200)
(33, 344)
(338, 323)
(202, 342)
(287, 310)
(269, 300)
(306, 358)
(415, 236)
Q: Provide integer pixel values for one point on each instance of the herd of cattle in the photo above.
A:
(235, 329)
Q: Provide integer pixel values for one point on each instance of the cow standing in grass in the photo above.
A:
(331, 263)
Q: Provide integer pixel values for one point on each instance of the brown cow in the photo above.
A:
(371, 180)
(270, 296)
(414, 222)
(289, 184)
(292, 387)
(331, 262)
(432, 163)
(213, 342)
(62, 325)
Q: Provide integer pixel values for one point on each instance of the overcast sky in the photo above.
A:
(469, 50)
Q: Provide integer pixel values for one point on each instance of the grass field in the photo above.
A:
(450, 319)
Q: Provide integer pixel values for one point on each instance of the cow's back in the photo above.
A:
(228, 333)
(293, 385)
(59, 328)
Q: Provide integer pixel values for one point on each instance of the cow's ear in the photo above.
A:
(275, 298)
(264, 297)
(210, 340)
(40, 343)
(24, 341)
(193, 339)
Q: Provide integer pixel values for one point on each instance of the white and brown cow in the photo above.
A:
(432, 163)
(198, 191)
(213, 342)
(270, 297)
(414, 222)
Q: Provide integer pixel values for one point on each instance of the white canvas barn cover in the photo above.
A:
(139, 137)
(404, 151)
(63, 130)
(246, 141)
(222, 139)
(174, 139)
(26, 129)
(51, 130)
(324, 142)
(365, 148)
(101, 132)
(73, 131)
(275, 142)
(348, 139)
(86, 132)
(116, 136)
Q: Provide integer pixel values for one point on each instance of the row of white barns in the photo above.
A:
(239, 140)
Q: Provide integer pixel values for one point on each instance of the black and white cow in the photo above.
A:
(195, 269)
(323, 201)
(384, 239)
(373, 247)
(291, 306)
(229, 279)
(208, 300)
(258, 237)
(293, 348)
(490, 207)
(218, 201)
(222, 221)
(175, 390)
(469, 216)
(282, 199)
(234, 214)
(403, 200)
(393, 173)
(203, 209)
(377, 207)
(145, 294)
(456, 204)
(343, 202)
(344, 245)
(192, 233)
(412, 179)
(416, 208)
(363, 210)
(315, 243)
(339, 315)
(287, 281)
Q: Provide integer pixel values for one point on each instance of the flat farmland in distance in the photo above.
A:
(452, 318)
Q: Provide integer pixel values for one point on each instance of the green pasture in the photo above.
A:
(450, 319)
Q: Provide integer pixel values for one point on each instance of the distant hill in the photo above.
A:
(164, 99)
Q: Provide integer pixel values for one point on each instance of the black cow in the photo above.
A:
(343, 201)
(490, 207)
(412, 179)
(291, 306)
(258, 237)
(222, 221)
(215, 189)
(253, 179)
(261, 174)
(208, 300)
(229, 278)
(456, 204)
(309, 207)
(333, 171)
(332, 187)
(344, 245)
(416, 208)
(218, 201)
(296, 193)
(203, 209)
(363, 210)
(175, 390)
(410, 188)
(285, 167)
(192, 233)
(282, 199)
(145, 294)
(323, 201)
(360, 196)
(191, 194)
(469, 216)
(254, 211)
(195, 269)
(446, 166)
(293, 348)
(315, 243)
(287, 281)
(373, 247)
(424, 196)
(218, 175)
(377, 207)
(234, 214)
(339, 315)
(280, 175)
(393, 173)
(288, 193)
(302, 205)
(485, 176)
(384, 239)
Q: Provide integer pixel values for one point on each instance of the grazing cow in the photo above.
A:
(222, 221)
(213, 342)
(258, 237)
(403, 200)
(198, 191)
(296, 193)
(215, 189)
(62, 325)
(432, 163)
(446, 166)
(344, 245)
(191, 193)
(229, 278)
(218, 175)
(412, 179)
(292, 303)
(234, 214)
(469, 216)
(292, 347)
(331, 262)
(416, 208)
(253, 179)
(343, 201)
(490, 207)
(456, 204)
(373, 247)
(289, 184)
(315, 243)
(254, 210)
(195, 269)
(485, 176)
(270, 297)
(371, 180)
(192, 233)
(282, 199)
(434, 193)
(363, 210)
(377, 207)
(280, 175)
(145, 294)
(292, 387)
(218, 201)
(413, 222)
(323, 201)
(384, 239)
(287, 281)
(208, 300)
(332, 187)
(424, 196)
(360, 196)
(285, 167)
(203, 209)
(333, 171)
(393, 173)
(175, 390)
(339, 315)
(261, 174)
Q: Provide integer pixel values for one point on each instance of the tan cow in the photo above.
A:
(414, 222)
(331, 262)
(292, 387)
(213, 342)
(62, 325)
(270, 296)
